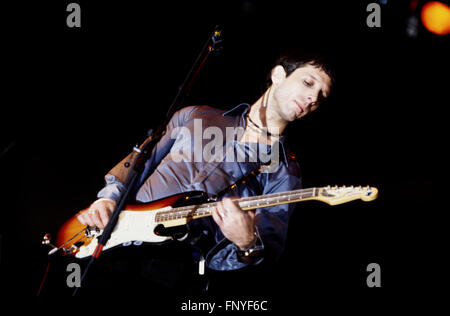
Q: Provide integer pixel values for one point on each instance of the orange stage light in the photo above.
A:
(436, 17)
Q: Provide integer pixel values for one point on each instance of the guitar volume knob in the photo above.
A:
(46, 239)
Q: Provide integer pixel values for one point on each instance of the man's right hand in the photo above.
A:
(97, 215)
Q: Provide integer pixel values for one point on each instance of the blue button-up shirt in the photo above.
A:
(197, 154)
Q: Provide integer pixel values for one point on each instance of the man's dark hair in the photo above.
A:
(298, 57)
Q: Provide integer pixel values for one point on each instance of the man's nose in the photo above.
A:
(312, 98)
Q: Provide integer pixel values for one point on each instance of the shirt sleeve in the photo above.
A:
(271, 224)
(115, 178)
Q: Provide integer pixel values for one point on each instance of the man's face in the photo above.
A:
(299, 93)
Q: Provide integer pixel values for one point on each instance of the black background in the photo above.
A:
(75, 101)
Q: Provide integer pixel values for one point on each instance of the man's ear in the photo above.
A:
(278, 74)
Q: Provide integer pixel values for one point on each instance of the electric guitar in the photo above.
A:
(152, 222)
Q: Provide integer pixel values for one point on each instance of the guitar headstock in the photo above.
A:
(338, 195)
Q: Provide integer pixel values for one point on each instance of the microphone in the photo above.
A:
(217, 33)
(217, 41)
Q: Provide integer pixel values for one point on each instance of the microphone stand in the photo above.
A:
(144, 152)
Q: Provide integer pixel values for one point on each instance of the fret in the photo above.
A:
(245, 202)
(251, 203)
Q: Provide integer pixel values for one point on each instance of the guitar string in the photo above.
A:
(243, 200)
(184, 211)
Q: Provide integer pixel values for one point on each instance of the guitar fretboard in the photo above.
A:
(246, 203)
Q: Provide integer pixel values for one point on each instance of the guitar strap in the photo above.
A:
(242, 180)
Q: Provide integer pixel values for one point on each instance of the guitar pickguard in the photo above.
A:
(131, 226)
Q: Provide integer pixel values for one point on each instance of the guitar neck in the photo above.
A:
(246, 204)
(251, 203)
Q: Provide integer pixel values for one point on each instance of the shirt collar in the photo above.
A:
(242, 110)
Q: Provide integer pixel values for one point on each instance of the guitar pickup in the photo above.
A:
(92, 231)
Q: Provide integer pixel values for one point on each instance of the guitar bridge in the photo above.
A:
(92, 231)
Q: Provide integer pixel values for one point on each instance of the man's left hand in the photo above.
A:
(237, 225)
